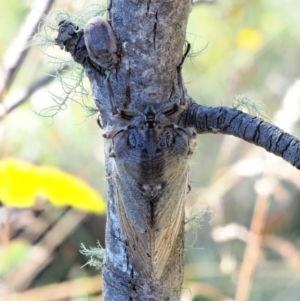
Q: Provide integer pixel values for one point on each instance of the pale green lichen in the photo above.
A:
(95, 254)
(72, 86)
(195, 221)
(251, 106)
(195, 50)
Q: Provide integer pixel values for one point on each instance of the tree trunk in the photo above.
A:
(148, 121)
(151, 35)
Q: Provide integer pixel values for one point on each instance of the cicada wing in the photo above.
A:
(150, 245)
(170, 203)
(137, 243)
(168, 217)
(162, 241)
(134, 218)
(149, 252)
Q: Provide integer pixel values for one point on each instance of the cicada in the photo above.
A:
(150, 175)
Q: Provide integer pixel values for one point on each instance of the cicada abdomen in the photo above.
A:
(150, 173)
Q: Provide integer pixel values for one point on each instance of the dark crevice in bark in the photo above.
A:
(109, 5)
(219, 119)
(148, 6)
(155, 31)
(232, 121)
(257, 133)
(172, 92)
(269, 139)
(180, 85)
(278, 140)
(127, 101)
(246, 127)
(287, 147)
(127, 92)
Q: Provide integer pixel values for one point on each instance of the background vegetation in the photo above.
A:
(248, 245)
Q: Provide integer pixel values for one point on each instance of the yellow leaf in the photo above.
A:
(21, 182)
(249, 39)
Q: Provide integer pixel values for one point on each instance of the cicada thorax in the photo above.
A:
(150, 173)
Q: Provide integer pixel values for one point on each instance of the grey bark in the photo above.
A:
(225, 120)
(147, 81)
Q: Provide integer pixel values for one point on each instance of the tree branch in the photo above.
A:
(252, 129)
(20, 98)
(18, 49)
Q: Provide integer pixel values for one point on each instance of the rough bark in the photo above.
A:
(225, 120)
(141, 103)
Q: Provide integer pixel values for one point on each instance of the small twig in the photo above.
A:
(22, 97)
(253, 248)
(18, 49)
(63, 291)
(287, 250)
(41, 253)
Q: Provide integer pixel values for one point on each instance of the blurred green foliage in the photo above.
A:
(11, 17)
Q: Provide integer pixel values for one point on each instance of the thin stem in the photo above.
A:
(19, 47)
(253, 248)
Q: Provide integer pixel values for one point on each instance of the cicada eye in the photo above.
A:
(135, 140)
(166, 139)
